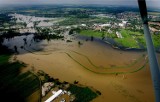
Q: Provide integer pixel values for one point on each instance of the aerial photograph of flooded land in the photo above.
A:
(79, 51)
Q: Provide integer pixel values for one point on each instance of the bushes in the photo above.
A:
(77, 30)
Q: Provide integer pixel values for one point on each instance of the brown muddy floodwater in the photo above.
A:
(121, 76)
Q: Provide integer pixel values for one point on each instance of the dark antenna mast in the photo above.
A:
(154, 68)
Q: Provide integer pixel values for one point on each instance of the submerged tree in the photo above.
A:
(15, 48)
(92, 38)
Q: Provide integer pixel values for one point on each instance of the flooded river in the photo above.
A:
(122, 76)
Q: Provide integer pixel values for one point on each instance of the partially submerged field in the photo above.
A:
(119, 75)
(15, 85)
(130, 39)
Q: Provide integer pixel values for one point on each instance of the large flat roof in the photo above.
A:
(54, 96)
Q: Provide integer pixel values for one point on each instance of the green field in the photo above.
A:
(73, 20)
(127, 42)
(156, 40)
(83, 94)
(139, 37)
(129, 38)
(91, 33)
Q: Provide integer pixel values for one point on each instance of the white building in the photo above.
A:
(124, 22)
(109, 31)
(54, 96)
(119, 35)
(121, 24)
(83, 25)
(105, 25)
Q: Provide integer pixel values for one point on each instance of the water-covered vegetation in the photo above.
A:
(14, 85)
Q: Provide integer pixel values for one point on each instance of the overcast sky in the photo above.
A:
(153, 3)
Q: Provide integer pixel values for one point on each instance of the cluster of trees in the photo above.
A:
(43, 34)
(80, 13)
(77, 30)
(47, 36)
(10, 34)
(82, 94)
(4, 18)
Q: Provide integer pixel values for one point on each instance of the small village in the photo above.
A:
(31, 24)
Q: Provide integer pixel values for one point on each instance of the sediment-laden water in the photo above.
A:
(119, 75)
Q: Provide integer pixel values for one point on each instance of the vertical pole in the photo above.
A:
(155, 73)
(154, 68)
